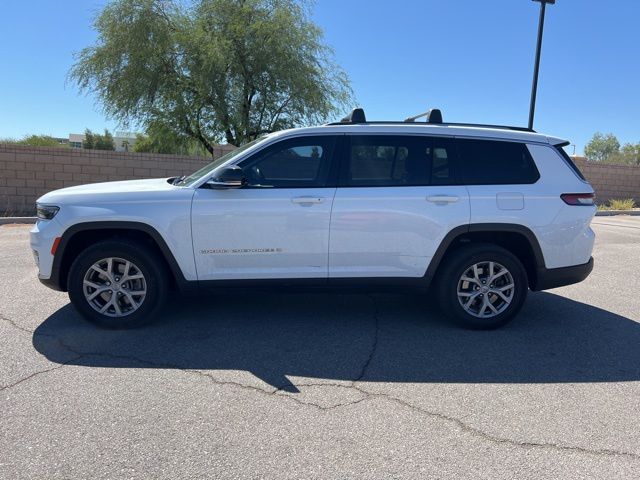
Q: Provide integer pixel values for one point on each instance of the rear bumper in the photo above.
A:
(557, 277)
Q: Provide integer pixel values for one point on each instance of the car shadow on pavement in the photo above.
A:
(372, 338)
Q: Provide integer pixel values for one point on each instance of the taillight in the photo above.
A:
(586, 199)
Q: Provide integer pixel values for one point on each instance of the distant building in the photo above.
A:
(123, 141)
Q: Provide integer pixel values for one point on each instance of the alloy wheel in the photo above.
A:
(114, 287)
(485, 289)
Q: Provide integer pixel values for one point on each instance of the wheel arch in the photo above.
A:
(517, 239)
(79, 236)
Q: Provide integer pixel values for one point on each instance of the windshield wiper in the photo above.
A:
(178, 180)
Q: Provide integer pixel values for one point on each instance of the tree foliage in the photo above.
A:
(212, 70)
(160, 139)
(606, 148)
(36, 141)
(95, 141)
(601, 146)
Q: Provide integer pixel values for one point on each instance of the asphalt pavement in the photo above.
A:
(256, 385)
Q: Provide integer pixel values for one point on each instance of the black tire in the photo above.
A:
(459, 262)
(150, 264)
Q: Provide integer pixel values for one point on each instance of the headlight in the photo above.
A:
(46, 212)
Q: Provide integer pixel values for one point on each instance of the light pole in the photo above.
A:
(536, 67)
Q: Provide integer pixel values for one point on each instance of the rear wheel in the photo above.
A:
(482, 286)
(117, 284)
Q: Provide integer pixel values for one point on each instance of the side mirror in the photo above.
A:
(230, 177)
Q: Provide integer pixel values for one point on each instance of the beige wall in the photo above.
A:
(611, 181)
(28, 172)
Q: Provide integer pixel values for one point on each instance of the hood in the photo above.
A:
(107, 190)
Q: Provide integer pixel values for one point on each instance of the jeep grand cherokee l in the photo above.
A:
(480, 213)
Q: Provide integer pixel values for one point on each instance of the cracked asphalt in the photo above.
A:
(256, 385)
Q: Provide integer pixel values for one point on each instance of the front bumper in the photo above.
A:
(558, 277)
(42, 237)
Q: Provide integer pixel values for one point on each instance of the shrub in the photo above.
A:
(626, 204)
(35, 141)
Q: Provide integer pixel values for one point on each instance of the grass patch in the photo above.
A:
(626, 204)
(619, 204)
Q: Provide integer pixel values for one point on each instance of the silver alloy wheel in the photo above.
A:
(485, 289)
(114, 287)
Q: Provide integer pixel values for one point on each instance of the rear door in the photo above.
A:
(396, 200)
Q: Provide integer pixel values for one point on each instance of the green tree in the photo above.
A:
(159, 138)
(95, 141)
(105, 142)
(602, 146)
(630, 153)
(89, 142)
(212, 70)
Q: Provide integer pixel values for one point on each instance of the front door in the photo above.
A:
(277, 226)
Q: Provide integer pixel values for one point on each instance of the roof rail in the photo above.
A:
(485, 125)
(433, 117)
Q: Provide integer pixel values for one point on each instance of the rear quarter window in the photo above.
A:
(569, 162)
(493, 162)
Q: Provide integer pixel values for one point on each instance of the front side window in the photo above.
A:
(294, 163)
(197, 175)
(491, 162)
(396, 161)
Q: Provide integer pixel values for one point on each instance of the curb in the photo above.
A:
(611, 213)
(9, 220)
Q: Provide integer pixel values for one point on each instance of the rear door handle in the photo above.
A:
(442, 199)
(307, 200)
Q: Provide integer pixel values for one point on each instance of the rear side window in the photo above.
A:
(395, 161)
(490, 162)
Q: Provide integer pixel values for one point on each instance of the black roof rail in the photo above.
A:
(485, 125)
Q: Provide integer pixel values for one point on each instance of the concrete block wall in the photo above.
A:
(611, 181)
(26, 173)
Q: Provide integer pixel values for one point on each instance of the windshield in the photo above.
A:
(197, 175)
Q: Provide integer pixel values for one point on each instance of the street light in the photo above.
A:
(534, 87)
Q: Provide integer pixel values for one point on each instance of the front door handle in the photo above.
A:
(442, 199)
(307, 200)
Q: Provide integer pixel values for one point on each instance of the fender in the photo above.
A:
(58, 283)
(457, 232)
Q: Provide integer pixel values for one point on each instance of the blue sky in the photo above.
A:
(471, 58)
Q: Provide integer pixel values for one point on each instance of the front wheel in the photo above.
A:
(117, 284)
(482, 286)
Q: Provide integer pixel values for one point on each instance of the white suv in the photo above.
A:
(481, 213)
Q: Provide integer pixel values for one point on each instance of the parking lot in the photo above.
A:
(325, 385)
